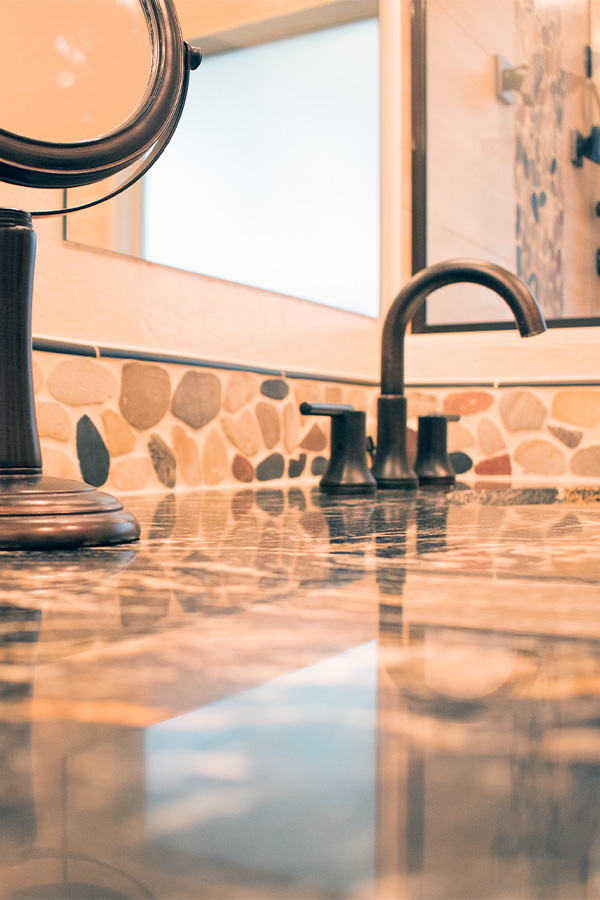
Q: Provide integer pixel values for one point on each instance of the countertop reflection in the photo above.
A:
(281, 694)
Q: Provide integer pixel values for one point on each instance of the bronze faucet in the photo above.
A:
(391, 467)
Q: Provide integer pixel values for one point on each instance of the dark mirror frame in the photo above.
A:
(419, 186)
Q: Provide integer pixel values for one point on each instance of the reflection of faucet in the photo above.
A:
(391, 467)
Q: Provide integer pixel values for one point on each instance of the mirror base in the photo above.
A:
(38, 512)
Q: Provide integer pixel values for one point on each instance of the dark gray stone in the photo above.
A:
(163, 460)
(271, 467)
(296, 466)
(461, 462)
(274, 388)
(94, 458)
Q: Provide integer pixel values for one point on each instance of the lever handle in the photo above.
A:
(347, 472)
(325, 409)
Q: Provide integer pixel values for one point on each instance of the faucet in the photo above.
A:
(391, 467)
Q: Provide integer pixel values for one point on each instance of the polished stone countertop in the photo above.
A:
(280, 694)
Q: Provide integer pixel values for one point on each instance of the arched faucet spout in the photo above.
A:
(391, 467)
(516, 295)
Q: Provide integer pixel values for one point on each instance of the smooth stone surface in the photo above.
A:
(275, 388)
(586, 461)
(420, 404)
(333, 393)
(566, 436)
(459, 437)
(521, 410)
(242, 431)
(215, 464)
(269, 422)
(38, 376)
(242, 469)
(270, 468)
(496, 465)
(145, 394)
(319, 465)
(467, 403)
(53, 420)
(197, 398)
(577, 407)
(58, 464)
(291, 427)
(315, 439)
(120, 438)
(94, 458)
(163, 460)
(187, 456)
(357, 397)
(297, 466)
(461, 462)
(240, 388)
(540, 457)
(79, 381)
(130, 474)
(490, 437)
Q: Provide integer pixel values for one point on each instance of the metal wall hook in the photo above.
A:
(525, 79)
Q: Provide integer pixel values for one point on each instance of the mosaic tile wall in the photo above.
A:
(129, 426)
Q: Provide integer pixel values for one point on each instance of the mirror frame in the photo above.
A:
(32, 163)
(418, 35)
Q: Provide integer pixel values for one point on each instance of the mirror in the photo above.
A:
(501, 91)
(273, 175)
(67, 48)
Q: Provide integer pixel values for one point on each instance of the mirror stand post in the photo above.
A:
(36, 511)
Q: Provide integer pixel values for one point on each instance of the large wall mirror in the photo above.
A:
(273, 177)
(506, 153)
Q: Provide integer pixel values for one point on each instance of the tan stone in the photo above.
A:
(243, 432)
(59, 464)
(466, 403)
(490, 437)
(145, 394)
(80, 380)
(53, 420)
(197, 398)
(269, 422)
(357, 398)
(215, 466)
(421, 404)
(577, 407)
(187, 456)
(333, 393)
(459, 437)
(291, 427)
(315, 440)
(131, 473)
(240, 387)
(587, 461)
(521, 410)
(38, 377)
(540, 457)
(308, 392)
(120, 438)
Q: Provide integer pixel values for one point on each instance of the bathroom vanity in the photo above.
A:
(278, 693)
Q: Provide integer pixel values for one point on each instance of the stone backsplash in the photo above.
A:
(130, 425)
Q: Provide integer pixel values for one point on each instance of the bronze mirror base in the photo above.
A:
(43, 513)
(36, 511)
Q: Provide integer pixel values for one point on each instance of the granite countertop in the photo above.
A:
(279, 694)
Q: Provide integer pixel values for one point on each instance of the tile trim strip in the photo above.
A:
(50, 345)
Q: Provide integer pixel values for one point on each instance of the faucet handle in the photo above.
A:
(433, 466)
(347, 472)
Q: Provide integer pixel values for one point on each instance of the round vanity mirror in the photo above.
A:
(76, 87)
(95, 86)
